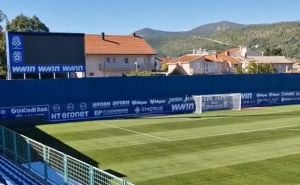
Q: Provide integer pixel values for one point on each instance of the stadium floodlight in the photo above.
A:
(217, 102)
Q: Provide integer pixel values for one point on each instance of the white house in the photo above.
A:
(112, 55)
(280, 63)
(193, 64)
(246, 56)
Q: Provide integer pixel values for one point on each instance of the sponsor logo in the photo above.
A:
(2, 112)
(23, 69)
(188, 98)
(122, 103)
(262, 95)
(83, 106)
(152, 109)
(69, 115)
(97, 105)
(137, 110)
(72, 68)
(56, 108)
(70, 107)
(290, 99)
(214, 99)
(173, 100)
(137, 102)
(48, 68)
(17, 57)
(271, 94)
(26, 110)
(16, 42)
(247, 96)
(183, 107)
(110, 112)
(283, 94)
(157, 101)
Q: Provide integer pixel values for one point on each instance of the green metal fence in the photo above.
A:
(44, 160)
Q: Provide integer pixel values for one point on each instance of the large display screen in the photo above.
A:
(46, 52)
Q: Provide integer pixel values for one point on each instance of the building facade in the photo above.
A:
(110, 55)
(197, 65)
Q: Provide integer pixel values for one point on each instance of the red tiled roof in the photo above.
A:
(207, 58)
(212, 58)
(115, 45)
(230, 59)
(187, 58)
(166, 60)
(231, 52)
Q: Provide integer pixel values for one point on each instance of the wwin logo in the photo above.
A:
(16, 42)
(183, 107)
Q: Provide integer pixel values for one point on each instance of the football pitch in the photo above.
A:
(248, 147)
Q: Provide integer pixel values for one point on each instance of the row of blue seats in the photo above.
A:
(4, 180)
(16, 174)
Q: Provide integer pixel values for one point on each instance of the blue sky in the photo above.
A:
(127, 16)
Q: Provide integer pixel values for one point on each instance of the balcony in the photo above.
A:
(122, 66)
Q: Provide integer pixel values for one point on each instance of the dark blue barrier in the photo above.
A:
(98, 98)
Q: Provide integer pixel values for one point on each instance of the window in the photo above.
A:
(126, 60)
(107, 60)
(114, 60)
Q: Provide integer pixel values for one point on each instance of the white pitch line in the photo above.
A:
(141, 133)
(229, 133)
(290, 129)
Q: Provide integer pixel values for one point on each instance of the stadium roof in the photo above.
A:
(117, 45)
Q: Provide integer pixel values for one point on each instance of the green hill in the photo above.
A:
(284, 35)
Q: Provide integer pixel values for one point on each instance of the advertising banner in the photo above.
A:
(75, 111)
(30, 111)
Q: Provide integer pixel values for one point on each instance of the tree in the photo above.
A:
(164, 68)
(239, 69)
(20, 23)
(257, 68)
(2, 47)
(273, 51)
(3, 17)
(27, 24)
(139, 73)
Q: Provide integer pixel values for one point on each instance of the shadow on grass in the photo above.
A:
(46, 139)
(115, 173)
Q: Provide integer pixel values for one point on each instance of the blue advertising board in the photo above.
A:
(270, 98)
(42, 53)
(55, 101)
(119, 108)
(75, 111)
(100, 109)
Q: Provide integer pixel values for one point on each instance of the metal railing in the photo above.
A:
(50, 164)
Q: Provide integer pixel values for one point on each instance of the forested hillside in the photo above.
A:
(283, 36)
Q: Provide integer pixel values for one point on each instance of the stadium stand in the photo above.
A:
(37, 164)
(12, 174)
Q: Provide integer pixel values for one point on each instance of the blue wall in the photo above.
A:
(112, 97)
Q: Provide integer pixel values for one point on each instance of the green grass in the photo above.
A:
(250, 147)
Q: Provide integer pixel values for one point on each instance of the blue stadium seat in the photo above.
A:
(3, 181)
(16, 174)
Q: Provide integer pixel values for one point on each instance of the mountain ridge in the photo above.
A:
(205, 28)
(284, 35)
